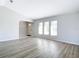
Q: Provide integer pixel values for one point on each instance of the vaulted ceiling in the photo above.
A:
(34, 9)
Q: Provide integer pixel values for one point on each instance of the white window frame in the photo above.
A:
(40, 28)
(46, 28)
(53, 28)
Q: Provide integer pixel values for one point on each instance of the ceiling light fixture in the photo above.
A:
(11, 1)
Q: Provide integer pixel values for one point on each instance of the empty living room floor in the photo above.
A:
(37, 48)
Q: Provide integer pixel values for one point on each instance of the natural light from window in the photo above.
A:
(54, 28)
(40, 28)
(46, 28)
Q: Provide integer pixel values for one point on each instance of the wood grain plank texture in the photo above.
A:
(37, 48)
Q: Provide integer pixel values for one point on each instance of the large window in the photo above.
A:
(46, 28)
(40, 28)
(53, 28)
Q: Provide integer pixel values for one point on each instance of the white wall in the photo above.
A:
(9, 24)
(29, 28)
(68, 28)
(22, 29)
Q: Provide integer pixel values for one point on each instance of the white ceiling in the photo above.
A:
(34, 9)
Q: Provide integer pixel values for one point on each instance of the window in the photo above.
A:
(46, 28)
(40, 28)
(54, 28)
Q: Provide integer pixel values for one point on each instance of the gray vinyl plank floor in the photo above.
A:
(37, 48)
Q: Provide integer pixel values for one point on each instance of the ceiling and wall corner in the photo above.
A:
(34, 9)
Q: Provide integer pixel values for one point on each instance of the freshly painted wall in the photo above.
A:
(9, 24)
(68, 28)
(29, 28)
(22, 29)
